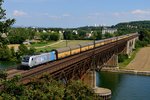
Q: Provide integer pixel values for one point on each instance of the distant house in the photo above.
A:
(109, 30)
(75, 31)
(44, 31)
(61, 36)
(130, 26)
(26, 43)
(88, 35)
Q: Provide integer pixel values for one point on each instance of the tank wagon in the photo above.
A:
(60, 53)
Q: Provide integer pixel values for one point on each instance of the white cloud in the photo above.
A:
(19, 13)
(140, 12)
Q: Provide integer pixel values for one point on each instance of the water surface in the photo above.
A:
(125, 86)
(7, 64)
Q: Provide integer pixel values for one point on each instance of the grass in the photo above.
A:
(127, 61)
(40, 44)
(50, 46)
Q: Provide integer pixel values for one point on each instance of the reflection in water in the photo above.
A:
(125, 86)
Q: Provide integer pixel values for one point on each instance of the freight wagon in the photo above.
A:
(60, 53)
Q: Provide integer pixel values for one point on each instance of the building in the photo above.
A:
(109, 30)
(75, 31)
(61, 36)
(88, 35)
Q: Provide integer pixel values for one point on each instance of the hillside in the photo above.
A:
(134, 24)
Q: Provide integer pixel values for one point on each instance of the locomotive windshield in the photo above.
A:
(25, 59)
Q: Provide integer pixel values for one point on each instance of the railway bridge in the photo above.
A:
(76, 66)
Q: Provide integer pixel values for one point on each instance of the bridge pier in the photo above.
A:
(90, 80)
(130, 46)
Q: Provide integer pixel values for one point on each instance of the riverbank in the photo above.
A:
(141, 62)
(140, 65)
(126, 71)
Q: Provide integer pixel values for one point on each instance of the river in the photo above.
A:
(125, 86)
(7, 64)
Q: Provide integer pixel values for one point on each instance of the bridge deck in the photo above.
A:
(76, 64)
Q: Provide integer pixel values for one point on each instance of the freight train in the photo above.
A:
(35, 60)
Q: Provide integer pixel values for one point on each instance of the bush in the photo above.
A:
(46, 88)
(139, 44)
(5, 53)
(50, 36)
(122, 57)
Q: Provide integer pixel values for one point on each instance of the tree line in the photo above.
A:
(142, 27)
(44, 88)
(9, 54)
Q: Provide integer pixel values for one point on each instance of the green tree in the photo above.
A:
(31, 51)
(108, 35)
(76, 90)
(4, 23)
(31, 33)
(18, 35)
(54, 36)
(3, 76)
(44, 88)
(13, 51)
(50, 36)
(99, 35)
(11, 88)
(44, 36)
(13, 54)
(23, 50)
(82, 34)
(5, 53)
(68, 35)
(122, 57)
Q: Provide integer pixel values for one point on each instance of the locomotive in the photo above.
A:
(35, 60)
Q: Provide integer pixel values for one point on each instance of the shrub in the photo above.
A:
(122, 57)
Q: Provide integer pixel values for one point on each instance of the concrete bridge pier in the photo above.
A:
(130, 47)
(90, 80)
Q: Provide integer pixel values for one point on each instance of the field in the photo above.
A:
(54, 45)
(14, 45)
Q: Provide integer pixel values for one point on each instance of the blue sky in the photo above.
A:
(75, 13)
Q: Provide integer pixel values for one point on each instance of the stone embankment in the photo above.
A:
(127, 71)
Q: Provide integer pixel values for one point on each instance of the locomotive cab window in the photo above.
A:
(25, 59)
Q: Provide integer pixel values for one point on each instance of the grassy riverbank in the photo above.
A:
(137, 64)
(127, 61)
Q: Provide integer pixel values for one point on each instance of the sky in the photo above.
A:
(75, 13)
